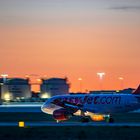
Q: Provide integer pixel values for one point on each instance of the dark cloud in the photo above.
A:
(125, 7)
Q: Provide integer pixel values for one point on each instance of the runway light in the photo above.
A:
(21, 124)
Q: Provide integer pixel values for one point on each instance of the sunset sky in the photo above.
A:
(73, 38)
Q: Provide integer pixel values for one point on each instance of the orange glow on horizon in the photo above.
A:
(88, 83)
(71, 39)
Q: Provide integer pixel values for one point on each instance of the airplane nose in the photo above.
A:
(46, 108)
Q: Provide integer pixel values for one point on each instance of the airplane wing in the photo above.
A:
(68, 105)
(72, 106)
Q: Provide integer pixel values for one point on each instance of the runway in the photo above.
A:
(21, 108)
(39, 124)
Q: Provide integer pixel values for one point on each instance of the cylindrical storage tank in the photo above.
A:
(15, 88)
(54, 86)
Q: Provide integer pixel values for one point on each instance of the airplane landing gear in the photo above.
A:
(84, 119)
(111, 120)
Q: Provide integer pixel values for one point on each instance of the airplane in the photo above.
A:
(99, 107)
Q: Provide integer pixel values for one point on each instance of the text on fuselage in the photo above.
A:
(93, 100)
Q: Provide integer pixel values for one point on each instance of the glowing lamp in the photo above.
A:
(97, 117)
(117, 91)
(45, 95)
(80, 79)
(7, 97)
(101, 74)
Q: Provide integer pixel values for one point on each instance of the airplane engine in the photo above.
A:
(61, 114)
(97, 117)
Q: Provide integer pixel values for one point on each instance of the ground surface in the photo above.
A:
(25, 116)
(67, 132)
(70, 133)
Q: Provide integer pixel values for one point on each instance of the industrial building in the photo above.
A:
(15, 88)
(54, 86)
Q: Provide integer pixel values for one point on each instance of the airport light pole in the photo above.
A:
(101, 75)
(121, 82)
(4, 76)
(80, 84)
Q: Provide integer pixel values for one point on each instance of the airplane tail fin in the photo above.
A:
(137, 91)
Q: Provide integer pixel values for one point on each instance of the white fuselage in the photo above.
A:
(97, 103)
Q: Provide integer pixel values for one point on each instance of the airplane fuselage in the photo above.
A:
(96, 103)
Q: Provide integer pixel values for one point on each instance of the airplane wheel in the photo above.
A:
(111, 120)
(85, 120)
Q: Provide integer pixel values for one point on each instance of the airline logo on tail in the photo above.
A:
(89, 100)
(137, 91)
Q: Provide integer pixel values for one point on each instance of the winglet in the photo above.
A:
(137, 91)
